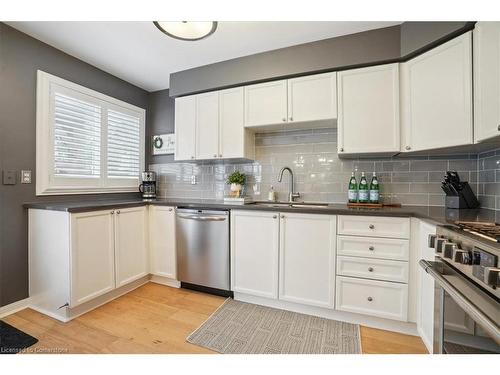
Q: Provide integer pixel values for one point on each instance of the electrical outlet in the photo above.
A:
(193, 179)
(9, 177)
(25, 177)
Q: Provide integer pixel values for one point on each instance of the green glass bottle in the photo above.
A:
(352, 194)
(374, 189)
(363, 191)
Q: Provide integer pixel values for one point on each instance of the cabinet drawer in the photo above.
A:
(376, 298)
(373, 247)
(375, 226)
(385, 270)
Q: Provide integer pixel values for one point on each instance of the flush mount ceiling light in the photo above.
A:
(187, 30)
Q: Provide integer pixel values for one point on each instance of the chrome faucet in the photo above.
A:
(291, 194)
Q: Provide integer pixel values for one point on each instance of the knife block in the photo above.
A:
(455, 201)
(465, 198)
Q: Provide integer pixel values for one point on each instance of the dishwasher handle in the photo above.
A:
(202, 218)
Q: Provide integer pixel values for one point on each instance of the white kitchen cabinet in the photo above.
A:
(207, 126)
(131, 245)
(92, 255)
(374, 226)
(185, 128)
(368, 110)
(372, 268)
(234, 140)
(437, 97)
(307, 259)
(486, 52)
(312, 98)
(162, 241)
(373, 247)
(266, 103)
(254, 253)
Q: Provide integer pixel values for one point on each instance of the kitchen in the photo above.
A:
(344, 203)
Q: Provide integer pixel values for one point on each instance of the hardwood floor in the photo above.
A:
(157, 319)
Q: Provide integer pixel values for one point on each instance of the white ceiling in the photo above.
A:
(139, 53)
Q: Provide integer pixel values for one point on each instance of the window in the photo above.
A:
(86, 142)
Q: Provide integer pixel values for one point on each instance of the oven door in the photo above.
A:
(466, 319)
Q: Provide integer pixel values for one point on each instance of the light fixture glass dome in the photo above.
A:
(187, 30)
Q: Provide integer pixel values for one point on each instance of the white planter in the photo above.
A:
(236, 187)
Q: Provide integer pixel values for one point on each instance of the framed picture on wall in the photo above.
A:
(163, 144)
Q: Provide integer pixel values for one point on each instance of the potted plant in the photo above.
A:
(236, 180)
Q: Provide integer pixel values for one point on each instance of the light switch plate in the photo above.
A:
(9, 177)
(25, 177)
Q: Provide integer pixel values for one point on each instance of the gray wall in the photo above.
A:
(160, 121)
(390, 44)
(20, 57)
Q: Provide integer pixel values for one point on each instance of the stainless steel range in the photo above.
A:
(466, 271)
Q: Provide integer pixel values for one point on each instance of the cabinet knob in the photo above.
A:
(371, 226)
(284, 119)
(215, 155)
(282, 216)
(192, 157)
(371, 248)
(370, 269)
(370, 299)
(291, 118)
(408, 147)
(112, 212)
(170, 209)
(498, 128)
(220, 155)
(275, 216)
(341, 149)
(118, 212)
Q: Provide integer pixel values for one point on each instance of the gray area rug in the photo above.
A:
(244, 328)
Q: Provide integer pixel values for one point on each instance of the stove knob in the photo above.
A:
(431, 241)
(492, 276)
(439, 244)
(448, 249)
(462, 256)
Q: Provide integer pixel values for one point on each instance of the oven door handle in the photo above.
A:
(487, 324)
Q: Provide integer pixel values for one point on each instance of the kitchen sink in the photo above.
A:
(293, 205)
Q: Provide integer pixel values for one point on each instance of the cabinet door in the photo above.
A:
(266, 103)
(425, 304)
(231, 126)
(92, 255)
(368, 120)
(254, 253)
(312, 98)
(486, 53)
(307, 259)
(207, 125)
(162, 241)
(185, 127)
(131, 247)
(437, 97)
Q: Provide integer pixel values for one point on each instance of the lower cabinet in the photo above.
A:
(108, 250)
(254, 253)
(162, 241)
(92, 255)
(307, 259)
(370, 297)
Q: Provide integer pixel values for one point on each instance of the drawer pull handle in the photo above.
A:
(371, 226)
(371, 248)
(370, 269)
(370, 299)
(275, 216)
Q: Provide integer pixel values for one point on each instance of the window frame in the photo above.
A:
(46, 181)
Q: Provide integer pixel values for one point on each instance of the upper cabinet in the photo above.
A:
(288, 104)
(266, 103)
(312, 98)
(210, 126)
(368, 110)
(486, 51)
(185, 125)
(437, 97)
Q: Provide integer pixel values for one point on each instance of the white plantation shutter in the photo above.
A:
(124, 145)
(77, 137)
(86, 142)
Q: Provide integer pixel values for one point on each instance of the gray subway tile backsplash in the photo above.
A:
(320, 176)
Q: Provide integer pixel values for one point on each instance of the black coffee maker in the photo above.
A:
(148, 185)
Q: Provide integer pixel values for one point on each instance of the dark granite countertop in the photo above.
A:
(436, 214)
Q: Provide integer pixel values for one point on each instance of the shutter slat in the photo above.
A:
(124, 142)
(77, 137)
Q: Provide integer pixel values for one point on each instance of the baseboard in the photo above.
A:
(165, 281)
(425, 340)
(14, 307)
(364, 320)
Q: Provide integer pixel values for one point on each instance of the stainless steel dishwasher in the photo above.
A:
(203, 248)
